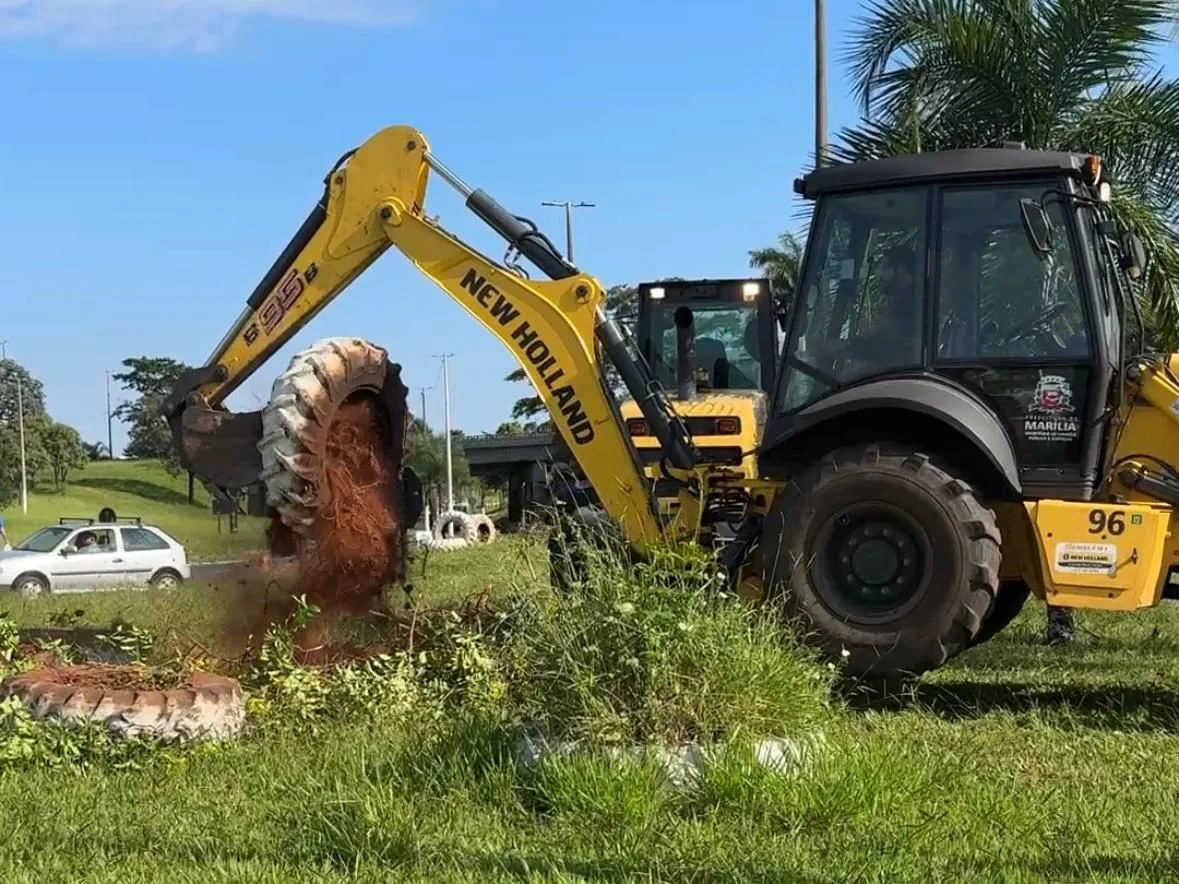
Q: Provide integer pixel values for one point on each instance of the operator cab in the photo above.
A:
(735, 340)
(924, 268)
(736, 335)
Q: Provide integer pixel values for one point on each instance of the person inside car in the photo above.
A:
(86, 543)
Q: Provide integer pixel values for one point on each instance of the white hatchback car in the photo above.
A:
(102, 556)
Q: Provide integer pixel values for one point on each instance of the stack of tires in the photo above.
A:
(459, 530)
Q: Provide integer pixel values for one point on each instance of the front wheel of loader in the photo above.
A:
(887, 561)
(304, 402)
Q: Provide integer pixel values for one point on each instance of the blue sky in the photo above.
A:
(158, 155)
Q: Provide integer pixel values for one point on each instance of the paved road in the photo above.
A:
(219, 573)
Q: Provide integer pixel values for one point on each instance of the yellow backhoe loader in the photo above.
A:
(961, 412)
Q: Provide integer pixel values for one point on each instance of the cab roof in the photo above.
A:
(975, 162)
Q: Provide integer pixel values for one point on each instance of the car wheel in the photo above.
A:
(30, 585)
(166, 580)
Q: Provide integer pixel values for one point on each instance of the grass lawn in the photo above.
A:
(138, 488)
(1017, 762)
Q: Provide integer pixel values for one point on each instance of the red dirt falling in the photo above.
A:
(352, 551)
(355, 546)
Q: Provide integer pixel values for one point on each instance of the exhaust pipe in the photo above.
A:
(685, 353)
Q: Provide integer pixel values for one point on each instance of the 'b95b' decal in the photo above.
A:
(279, 304)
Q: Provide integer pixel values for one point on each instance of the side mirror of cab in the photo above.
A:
(1036, 225)
(1133, 259)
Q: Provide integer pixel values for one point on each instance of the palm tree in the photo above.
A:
(1058, 74)
(780, 263)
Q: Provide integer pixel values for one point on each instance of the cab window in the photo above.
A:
(998, 299)
(863, 293)
(726, 344)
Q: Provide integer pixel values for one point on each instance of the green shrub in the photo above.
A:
(658, 651)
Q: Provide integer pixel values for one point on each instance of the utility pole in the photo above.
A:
(24, 473)
(110, 436)
(423, 390)
(446, 398)
(20, 416)
(820, 86)
(569, 207)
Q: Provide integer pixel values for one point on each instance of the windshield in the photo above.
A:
(44, 540)
(862, 293)
(726, 344)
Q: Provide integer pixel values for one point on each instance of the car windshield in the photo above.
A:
(44, 540)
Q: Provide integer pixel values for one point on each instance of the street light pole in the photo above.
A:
(820, 85)
(24, 473)
(446, 398)
(423, 390)
(568, 207)
(20, 417)
(110, 436)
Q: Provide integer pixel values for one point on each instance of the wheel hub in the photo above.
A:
(874, 561)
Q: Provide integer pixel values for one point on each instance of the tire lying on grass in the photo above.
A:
(203, 707)
(484, 528)
(464, 534)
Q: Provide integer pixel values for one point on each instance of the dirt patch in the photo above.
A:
(112, 678)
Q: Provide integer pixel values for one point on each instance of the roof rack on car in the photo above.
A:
(67, 520)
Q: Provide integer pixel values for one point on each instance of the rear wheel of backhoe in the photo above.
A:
(890, 562)
(305, 400)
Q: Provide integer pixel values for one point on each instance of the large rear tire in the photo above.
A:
(303, 403)
(889, 561)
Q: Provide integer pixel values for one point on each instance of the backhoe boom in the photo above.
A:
(374, 198)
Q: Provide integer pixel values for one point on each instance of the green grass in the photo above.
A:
(1017, 762)
(144, 489)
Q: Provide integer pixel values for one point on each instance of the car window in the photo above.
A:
(140, 539)
(45, 540)
(94, 540)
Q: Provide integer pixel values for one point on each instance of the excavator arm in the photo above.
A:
(557, 329)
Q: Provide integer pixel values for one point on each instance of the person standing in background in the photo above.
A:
(3, 537)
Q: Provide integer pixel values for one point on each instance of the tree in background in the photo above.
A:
(152, 379)
(1059, 74)
(36, 421)
(96, 450)
(428, 459)
(622, 303)
(64, 451)
(32, 392)
(780, 263)
(516, 428)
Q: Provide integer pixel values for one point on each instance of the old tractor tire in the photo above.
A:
(465, 534)
(484, 528)
(890, 562)
(207, 707)
(303, 402)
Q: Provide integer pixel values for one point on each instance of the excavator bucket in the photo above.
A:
(219, 447)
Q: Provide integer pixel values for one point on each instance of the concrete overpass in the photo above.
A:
(520, 461)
